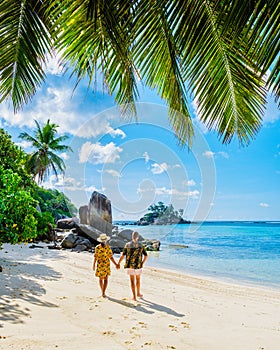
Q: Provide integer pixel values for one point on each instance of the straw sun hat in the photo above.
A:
(103, 238)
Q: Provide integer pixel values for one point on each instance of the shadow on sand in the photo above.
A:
(146, 306)
(20, 280)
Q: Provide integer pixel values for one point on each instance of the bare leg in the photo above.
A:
(138, 286)
(101, 284)
(105, 284)
(132, 285)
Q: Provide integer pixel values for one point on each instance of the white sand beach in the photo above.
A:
(50, 299)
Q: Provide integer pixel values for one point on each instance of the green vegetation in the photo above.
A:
(161, 214)
(18, 222)
(18, 216)
(25, 208)
(44, 157)
(222, 54)
(55, 203)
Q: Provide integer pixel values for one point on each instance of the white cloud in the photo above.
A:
(64, 107)
(53, 66)
(208, 154)
(171, 192)
(175, 192)
(159, 168)
(54, 103)
(91, 189)
(24, 144)
(112, 172)
(64, 156)
(146, 156)
(98, 127)
(264, 205)
(224, 154)
(67, 183)
(189, 183)
(53, 182)
(116, 132)
(98, 154)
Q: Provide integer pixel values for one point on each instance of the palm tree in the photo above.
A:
(44, 157)
(224, 54)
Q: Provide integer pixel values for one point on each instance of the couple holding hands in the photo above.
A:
(135, 254)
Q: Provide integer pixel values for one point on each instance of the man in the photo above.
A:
(136, 255)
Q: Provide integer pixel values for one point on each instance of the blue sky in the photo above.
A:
(138, 163)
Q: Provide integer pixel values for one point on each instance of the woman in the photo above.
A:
(136, 255)
(102, 256)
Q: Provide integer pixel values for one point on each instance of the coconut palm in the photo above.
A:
(223, 54)
(46, 145)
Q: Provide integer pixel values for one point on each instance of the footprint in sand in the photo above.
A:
(94, 306)
(185, 324)
(173, 328)
(132, 331)
(143, 325)
(127, 342)
(109, 333)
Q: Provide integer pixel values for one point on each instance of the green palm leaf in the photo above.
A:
(227, 87)
(24, 43)
(224, 54)
(158, 57)
(96, 38)
(44, 157)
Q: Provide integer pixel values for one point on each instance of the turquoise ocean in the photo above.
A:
(237, 252)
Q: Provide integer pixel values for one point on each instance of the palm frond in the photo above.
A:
(24, 42)
(56, 163)
(264, 38)
(25, 136)
(159, 60)
(227, 87)
(225, 53)
(95, 36)
(43, 158)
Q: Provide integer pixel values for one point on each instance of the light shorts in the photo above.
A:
(134, 272)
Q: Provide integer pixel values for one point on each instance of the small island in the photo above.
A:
(161, 214)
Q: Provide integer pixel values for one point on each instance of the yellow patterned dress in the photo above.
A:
(102, 255)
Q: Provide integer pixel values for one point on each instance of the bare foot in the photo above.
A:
(140, 295)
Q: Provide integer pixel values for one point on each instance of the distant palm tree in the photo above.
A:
(223, 54)
(44, 157)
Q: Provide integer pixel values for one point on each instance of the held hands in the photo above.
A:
(117, 266)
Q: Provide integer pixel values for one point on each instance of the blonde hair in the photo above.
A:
(135, 235)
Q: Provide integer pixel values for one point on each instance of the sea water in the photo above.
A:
(242, 252)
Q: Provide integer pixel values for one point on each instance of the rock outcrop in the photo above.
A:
(97, 213)
(96, 218)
